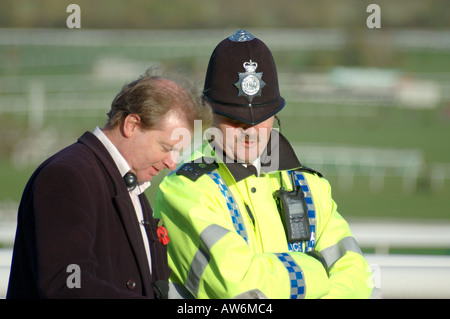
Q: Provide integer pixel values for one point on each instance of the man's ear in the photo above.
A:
(131, 124)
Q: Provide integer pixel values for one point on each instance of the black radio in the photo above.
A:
(294, 213)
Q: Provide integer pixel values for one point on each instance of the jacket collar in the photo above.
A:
(97, 147)
(119, 160)
(278, 156)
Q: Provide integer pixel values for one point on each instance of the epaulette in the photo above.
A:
(194, 170)
(310, 170)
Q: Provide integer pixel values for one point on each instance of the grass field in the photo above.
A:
(76, 99)
(392, 129)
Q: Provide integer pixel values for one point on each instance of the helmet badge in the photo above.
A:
(250, 82)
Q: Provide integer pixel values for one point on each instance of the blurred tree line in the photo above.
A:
(195, 14)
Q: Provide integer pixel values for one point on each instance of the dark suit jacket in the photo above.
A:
(76, 210)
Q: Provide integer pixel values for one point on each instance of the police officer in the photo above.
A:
(246, 219)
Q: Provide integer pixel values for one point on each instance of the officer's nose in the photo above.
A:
(250, 130)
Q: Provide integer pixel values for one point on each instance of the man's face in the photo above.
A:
(242, 142)
(151, 151)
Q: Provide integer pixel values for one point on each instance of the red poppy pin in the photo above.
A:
(162, 233)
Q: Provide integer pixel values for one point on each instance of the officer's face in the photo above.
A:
(242, 142)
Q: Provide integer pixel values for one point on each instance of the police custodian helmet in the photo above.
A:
(241, 81)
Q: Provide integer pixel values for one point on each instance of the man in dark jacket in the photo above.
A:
(85, 227)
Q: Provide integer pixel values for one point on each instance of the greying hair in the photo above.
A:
(152, 96)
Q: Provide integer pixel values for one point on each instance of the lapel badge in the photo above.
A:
(162, 233)
(250, 82)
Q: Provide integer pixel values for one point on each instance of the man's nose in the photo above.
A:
(171, 160)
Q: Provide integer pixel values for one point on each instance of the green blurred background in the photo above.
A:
(369, 108)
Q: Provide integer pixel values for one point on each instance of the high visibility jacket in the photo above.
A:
(227, 238)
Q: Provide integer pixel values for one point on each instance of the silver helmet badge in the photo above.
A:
(250, 82)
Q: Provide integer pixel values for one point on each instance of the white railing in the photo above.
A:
(410, 276)
(5, 264)
(376, 163)
(383, 235)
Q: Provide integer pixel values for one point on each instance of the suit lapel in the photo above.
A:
(122, 201)
(160, 267)
(126, 212)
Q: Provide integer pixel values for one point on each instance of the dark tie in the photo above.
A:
(146, 211)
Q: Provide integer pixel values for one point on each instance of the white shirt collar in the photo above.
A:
(120, 161)
(256, 164)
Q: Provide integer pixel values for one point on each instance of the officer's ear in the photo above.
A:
(130, 125)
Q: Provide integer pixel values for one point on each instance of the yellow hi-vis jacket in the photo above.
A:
(227, 239)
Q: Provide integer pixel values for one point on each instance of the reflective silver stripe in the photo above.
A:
(251, 294)
(179, 291)
(209, 236)
(333, 253)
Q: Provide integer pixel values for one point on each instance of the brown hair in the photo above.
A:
(152, 96)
